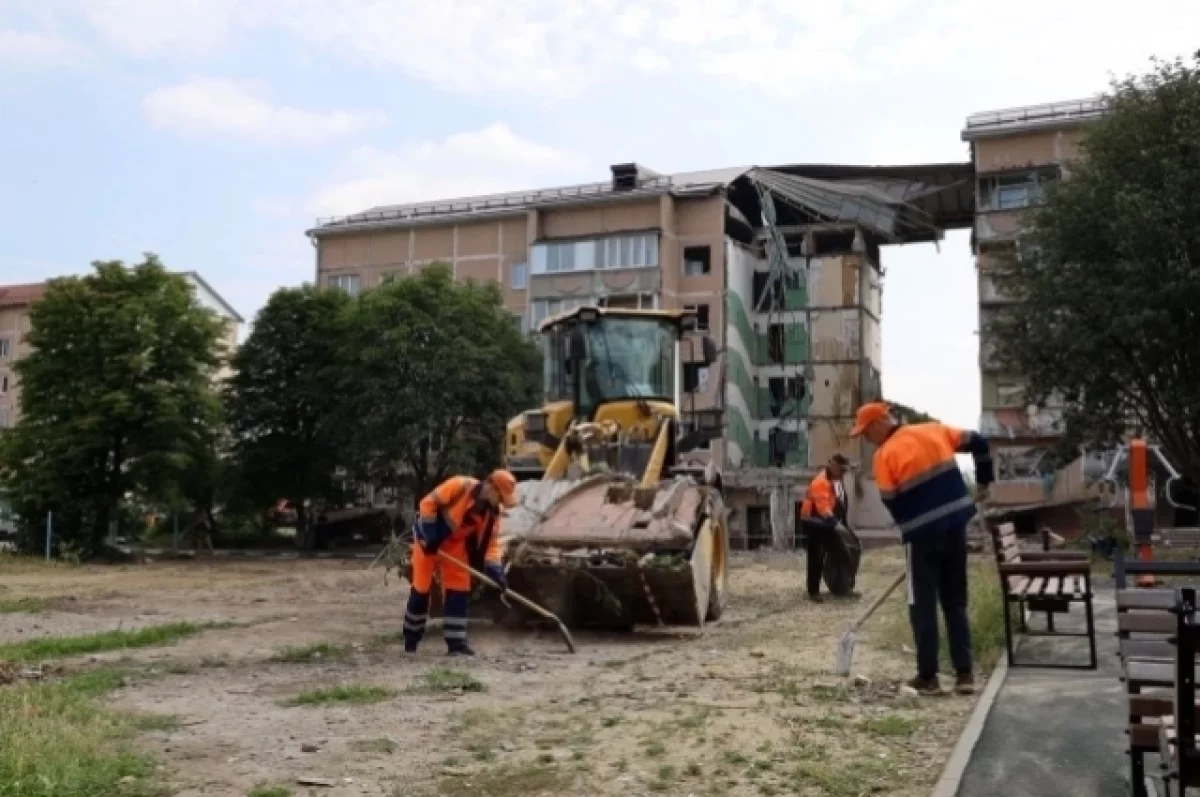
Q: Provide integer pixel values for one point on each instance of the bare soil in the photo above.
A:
(746, 706)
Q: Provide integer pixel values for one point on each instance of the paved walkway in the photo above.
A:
(1057, 733)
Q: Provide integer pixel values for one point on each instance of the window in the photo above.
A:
(345, 282)
(3, 384)
(784, 394)
(4, 348)
(1016, 189)
(618, 251)
(695, 378)
(520, 276)
(385, 278)
(634, 301)
(519, 321)
(697, 260)
(701, 311)
(544, 308)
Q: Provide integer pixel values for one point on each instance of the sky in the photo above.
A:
(214, 132)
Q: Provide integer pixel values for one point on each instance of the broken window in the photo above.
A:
(701, 311)
(695, 378)
(697, 260)
(785, 293)
(784, 394)
(1015, 190)
(776, 342)
(781, 443)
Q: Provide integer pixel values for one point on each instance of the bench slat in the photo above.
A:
(1146, 622)
(1053, 586)
(1145, 599)
(1036, 585)
(1161, 673)
(1147, 650)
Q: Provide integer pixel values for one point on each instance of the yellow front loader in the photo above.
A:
(611, 529)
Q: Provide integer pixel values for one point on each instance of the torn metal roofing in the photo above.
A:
(944, 192)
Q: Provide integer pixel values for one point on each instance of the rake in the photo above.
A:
(845, 653)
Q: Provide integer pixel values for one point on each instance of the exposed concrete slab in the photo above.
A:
(1057, 733)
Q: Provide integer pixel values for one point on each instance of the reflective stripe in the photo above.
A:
(919, 479)
(416, 618)
(934, 514)
(452, 634)
(454, 622)
(908, 585)
(414, 626)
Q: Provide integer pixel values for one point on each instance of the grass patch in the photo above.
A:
(57, 741)
(353, 694)
(985, 607)
(318, 652)
(63, 647)
(441, 679)
(269, 791)
(515, 780)
(891, 725)
(21, 605)
(382, 745)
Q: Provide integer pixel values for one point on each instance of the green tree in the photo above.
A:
(1107, 280)
(117, 398)
(282, 400)
(434, 369)
(906, 414)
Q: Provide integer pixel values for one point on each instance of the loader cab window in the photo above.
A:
(556, 384)
(628, 358)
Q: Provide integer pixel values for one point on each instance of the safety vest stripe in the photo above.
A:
(921, 478)
(937, 514)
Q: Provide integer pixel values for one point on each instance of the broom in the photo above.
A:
(845, 653)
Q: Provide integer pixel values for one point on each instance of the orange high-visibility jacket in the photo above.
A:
(820, 501)
(454, 499)
(919, 479)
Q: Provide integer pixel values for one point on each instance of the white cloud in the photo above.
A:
(37, 48)
(553, 49)
(489, 160)
(238, 110)
(651, 61)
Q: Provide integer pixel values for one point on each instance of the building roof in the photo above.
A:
(21, 295)
(942, 191)
(1029, 118)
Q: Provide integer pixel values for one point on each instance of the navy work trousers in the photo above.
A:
(937, 573)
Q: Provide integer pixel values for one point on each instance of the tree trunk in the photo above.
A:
(304, 534)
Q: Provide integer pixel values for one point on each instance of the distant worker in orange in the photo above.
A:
(461, 517)
(824, 508)
(924, 490)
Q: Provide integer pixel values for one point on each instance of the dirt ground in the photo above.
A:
(747, 706)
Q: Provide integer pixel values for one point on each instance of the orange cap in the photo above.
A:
(506, 485)
(867, 414)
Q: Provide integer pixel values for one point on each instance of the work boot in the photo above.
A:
(818, 598)
(925, 686)
(852, 595)
(463, 650)
(410, 647)
(964, 683)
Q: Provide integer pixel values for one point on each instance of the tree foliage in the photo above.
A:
(282, 401)
(433, 370)
(117, 399)
(1108, 284)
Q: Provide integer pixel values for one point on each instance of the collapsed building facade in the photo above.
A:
(783, 266)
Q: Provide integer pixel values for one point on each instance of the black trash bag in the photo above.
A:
(840, 566)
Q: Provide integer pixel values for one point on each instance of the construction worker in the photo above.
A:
(924, 490)
(462, 518)
(823, 510)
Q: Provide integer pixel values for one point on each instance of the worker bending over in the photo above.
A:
(823, 510)
(924, 490)
(462, 518)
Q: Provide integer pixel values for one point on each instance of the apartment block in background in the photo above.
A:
(1016, 153)
(781, 264)
(15, 301)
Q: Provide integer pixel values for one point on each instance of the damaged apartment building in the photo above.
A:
(781, 264)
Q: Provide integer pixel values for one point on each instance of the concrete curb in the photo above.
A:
(952, 775)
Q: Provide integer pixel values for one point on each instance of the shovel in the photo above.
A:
(845, 654)
(521, 599)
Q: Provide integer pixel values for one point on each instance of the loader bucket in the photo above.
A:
(600, 552)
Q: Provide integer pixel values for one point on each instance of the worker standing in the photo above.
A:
(823, 510)
(924, 490)
(462, 518)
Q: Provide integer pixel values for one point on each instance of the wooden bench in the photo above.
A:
(1147, 625)
(1043, 581)
(1177, 733)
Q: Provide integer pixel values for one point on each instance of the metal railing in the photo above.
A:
(1034, 114)
(496, 202)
